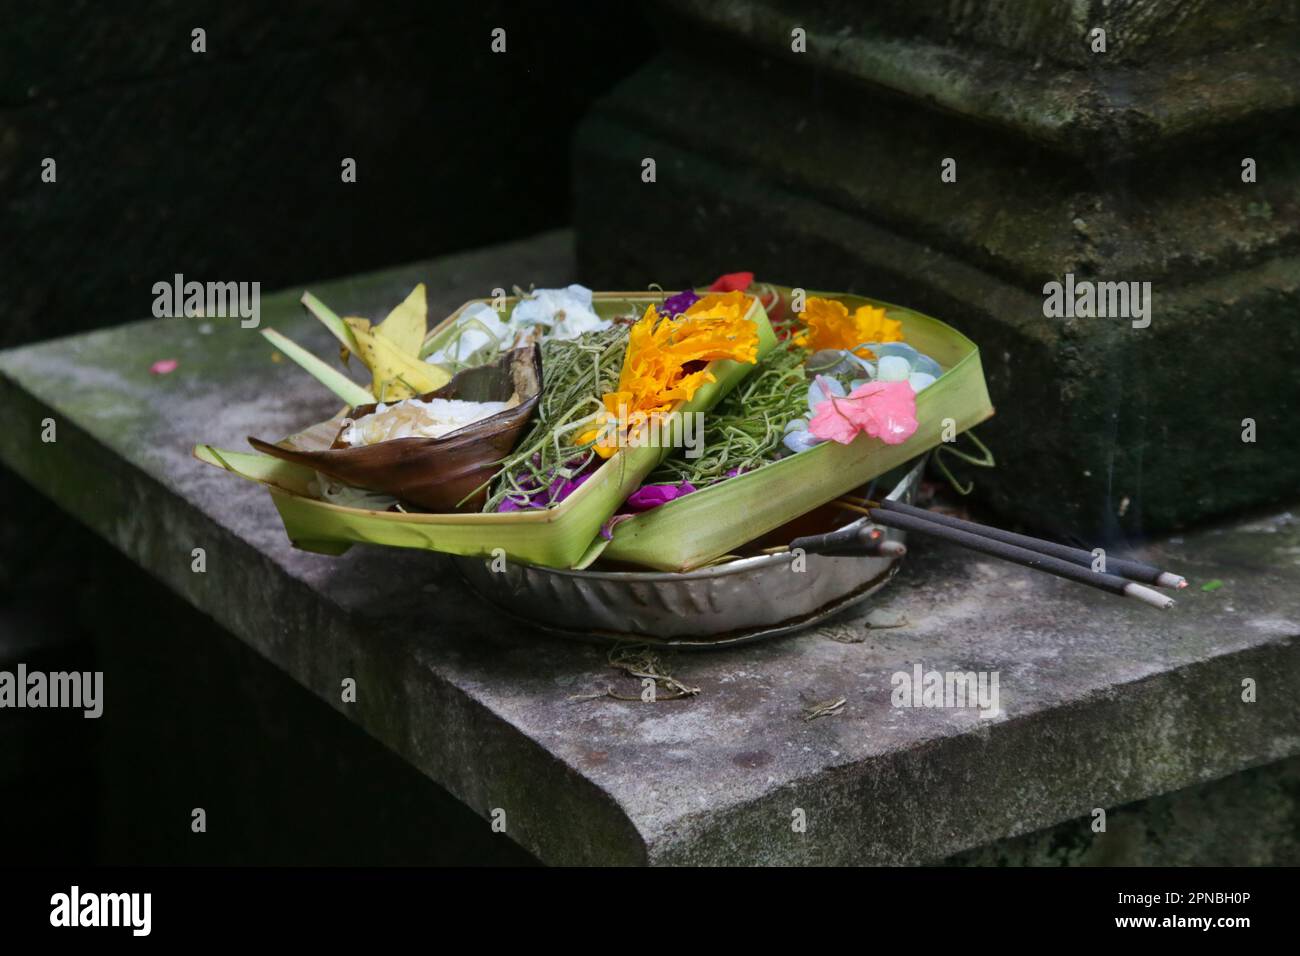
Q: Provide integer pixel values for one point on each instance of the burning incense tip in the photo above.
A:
(1143, 593)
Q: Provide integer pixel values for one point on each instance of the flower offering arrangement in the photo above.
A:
(563, 427)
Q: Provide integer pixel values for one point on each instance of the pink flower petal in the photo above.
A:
(831, 422)
(888, 410)
(163, 367)
(884, 410)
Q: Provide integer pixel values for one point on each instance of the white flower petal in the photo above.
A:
(893, 368)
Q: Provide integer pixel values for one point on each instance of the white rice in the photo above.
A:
(414, 418)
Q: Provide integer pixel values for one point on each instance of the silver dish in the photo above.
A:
(741, 600)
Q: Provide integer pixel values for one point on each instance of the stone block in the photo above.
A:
(1103, 431)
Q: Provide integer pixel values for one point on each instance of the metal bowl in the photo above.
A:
(741, 600)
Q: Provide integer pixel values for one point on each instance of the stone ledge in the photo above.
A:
(1155, 87)
(1104, 702)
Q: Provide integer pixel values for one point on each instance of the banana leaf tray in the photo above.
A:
(691, 532)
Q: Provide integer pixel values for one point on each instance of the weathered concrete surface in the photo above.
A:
(1103, 702)
(1103, 430)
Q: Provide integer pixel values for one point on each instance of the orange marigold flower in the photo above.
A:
(720, 305)
(828, 325)
(663, 364)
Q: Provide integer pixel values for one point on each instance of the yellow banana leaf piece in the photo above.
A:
(390, 350)
(396, 374)
(407, 324)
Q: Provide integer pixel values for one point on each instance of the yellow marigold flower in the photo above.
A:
(828, 325)
(594, 433)
(666, 358)
(720, 305)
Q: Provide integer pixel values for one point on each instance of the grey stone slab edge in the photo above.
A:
(917, 806)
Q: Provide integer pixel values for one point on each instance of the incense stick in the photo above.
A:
(1124, 567)
(1023, 556)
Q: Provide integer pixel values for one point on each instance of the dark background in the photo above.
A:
(227, 164)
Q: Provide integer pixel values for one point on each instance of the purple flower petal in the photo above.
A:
(679, 303)
(652, 496)
(643, 499)
(553, 494)
(568, 486)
